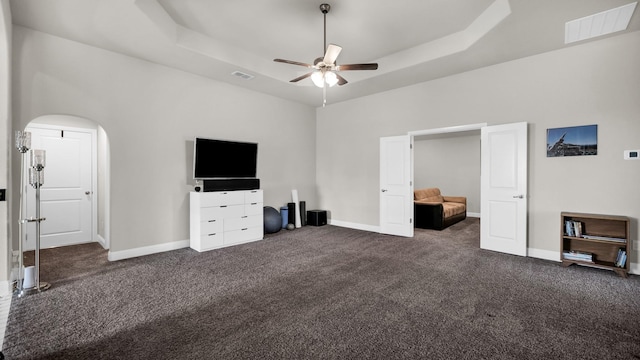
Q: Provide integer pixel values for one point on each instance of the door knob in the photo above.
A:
(518, 196)
(87, 192)
(384, 190)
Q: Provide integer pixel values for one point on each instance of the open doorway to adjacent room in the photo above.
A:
(503, 185)
(74, 197)
(450, 162)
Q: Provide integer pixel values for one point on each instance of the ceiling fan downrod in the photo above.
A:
(325, 9)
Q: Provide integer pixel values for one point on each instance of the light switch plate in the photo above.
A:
(632, 154)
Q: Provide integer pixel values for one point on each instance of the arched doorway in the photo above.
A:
(75, 194)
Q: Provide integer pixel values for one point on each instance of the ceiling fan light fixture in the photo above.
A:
(324, 69)
(318, 78)
(331, 78)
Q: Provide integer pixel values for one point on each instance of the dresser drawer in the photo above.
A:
(212, 241)
(218, 198)
(253, 196)
(220, 212)
(243, 235)
(253, 209)
(242, 222)
(210, 227)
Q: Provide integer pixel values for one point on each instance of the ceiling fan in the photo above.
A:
(325, 69)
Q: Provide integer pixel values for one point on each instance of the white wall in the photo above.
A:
(151, 114)
(6, 143)
(591, 83)
(450, 162)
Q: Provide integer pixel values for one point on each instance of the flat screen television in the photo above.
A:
(221, 159)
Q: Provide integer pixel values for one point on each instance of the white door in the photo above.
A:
(504, 188)
(396, 188)
(67, 194)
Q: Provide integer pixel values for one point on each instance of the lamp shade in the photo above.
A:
(23, 141)
(36, 178)
(38, 159)
(318, 78)
(331, 78)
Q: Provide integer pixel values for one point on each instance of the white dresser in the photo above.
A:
(225, 218)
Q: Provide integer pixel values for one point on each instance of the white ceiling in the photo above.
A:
(418, 41)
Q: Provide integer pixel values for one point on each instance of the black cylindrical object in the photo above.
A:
(292, 213)
(303, 213)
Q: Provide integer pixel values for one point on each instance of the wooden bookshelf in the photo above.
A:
(602, 236)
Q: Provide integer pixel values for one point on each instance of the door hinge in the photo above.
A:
(410, 221)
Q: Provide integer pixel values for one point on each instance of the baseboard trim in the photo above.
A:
(473, 214)
(355, 226)
(543, 254)
(100, 240)
(146, 250)
(634, 268)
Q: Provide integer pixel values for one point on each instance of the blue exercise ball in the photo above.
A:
(272, 220)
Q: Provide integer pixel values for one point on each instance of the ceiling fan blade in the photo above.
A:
(293, 63)
(332, 53)
(372, 66)
(341, 80)
(301, 77)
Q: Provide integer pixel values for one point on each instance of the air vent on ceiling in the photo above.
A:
(599, 24)
(242, 75)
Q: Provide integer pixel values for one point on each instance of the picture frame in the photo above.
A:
(572, 141)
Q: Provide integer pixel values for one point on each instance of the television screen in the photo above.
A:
(215, 159)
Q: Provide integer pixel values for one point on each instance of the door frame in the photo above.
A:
(446, 130)
(411, 135)
(438, 131)
(42, 124)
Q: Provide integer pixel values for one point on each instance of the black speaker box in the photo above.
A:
(317, 217)
(230, 184)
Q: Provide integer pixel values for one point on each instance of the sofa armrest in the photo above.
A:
(456, 199)
(428, 215)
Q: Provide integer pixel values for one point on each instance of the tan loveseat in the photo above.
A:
(434, 211)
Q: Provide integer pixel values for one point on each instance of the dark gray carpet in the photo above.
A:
(326, 293)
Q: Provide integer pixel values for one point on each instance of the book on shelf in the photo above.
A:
(621, 260)
(573, 228)
(578, 255)
(577, 228)
(606, 238)
(568, 228)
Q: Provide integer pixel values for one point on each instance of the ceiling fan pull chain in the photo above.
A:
(324, 96)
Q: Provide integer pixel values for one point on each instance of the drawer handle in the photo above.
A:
(245, 229)
(254, 203)
(212, 221)
(211, 234)
(244, 217)
(223, 205)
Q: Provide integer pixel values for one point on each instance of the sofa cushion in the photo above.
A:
(428, 195)
(452, 208)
